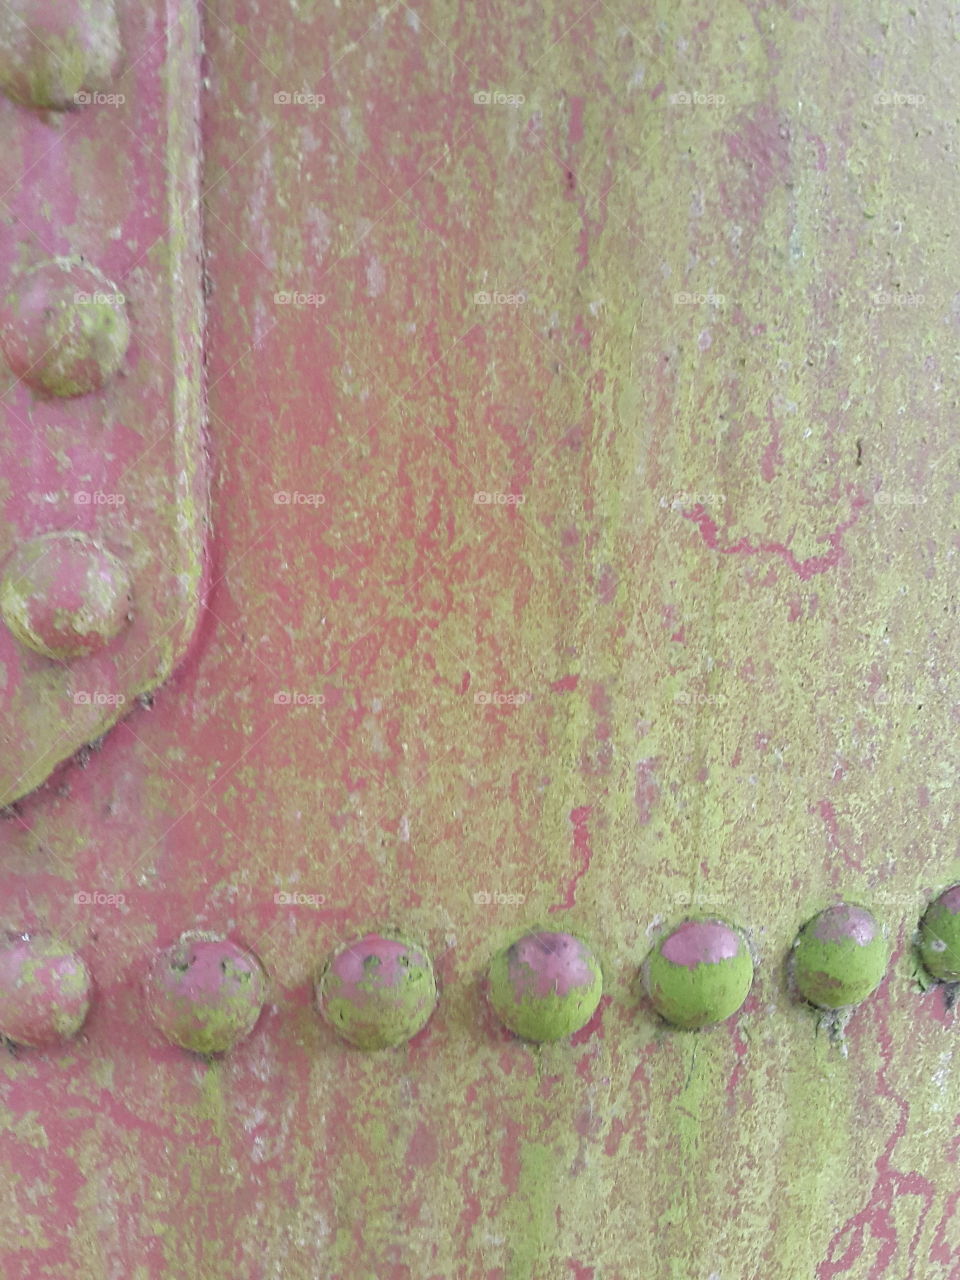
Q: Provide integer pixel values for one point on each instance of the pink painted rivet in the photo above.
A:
(205, 993)
(55, 54)
(545, 986)
(839, 957)
(698, 974)
(64, 328)
(44, 991)
(64, 596)
(377, 991)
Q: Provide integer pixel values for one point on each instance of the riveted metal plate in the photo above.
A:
(100, 385)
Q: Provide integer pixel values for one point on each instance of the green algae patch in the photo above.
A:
(699, 974)
(377, 992)
(545, 986)
(839, 957)
(939, 943)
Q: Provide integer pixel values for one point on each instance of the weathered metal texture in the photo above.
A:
(101, 311)
(706, 663)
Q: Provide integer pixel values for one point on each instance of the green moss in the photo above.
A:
(87, 342)
(691, 996)
(940, 943)
(543, 1018)
(373, 1015)
(834, 973)
(215, 1029)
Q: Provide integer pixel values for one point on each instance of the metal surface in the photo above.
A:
(100, 349)
(585, 555)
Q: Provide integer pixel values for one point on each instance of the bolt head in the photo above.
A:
(64, 596)
(64, 328)
(545, 986)
(377, 991)
(45, 990)
(839, 957)
(205, 993)
(698, 974)
(940, 936)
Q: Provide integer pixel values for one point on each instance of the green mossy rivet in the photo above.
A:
(377, 991)
(55, 54)
(545, 986)
(205, 993)
(64, 596)
(940, 936)
(45, 991)
(839, 957)
(699, 974)
(64, 328)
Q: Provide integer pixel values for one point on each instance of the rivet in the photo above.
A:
(64, 328)
(205, 993)
(44, 991)
(55, 53)
(940, 936)
(839, 957)
(545, 985)
(699, 974)
(377, 991)
(64, 596)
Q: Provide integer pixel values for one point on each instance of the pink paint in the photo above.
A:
(772, 456)
(544, 964)
(646, 790)
(701, 942)
(877, 1219)
(845, 922)
(804, 569)
(950, 898)
(373, 957)
(581, 847)
(566, 684)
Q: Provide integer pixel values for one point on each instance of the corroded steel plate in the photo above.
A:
(100, 377)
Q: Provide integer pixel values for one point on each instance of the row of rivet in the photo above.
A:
(205, 993)
(64, 332)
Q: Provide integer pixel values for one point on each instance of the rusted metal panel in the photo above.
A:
(584, 555)
(104, 475)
